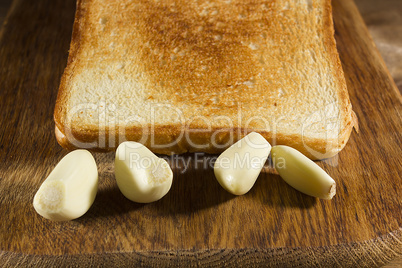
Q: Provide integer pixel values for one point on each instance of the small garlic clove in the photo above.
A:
(70, 189)
(140, 175)
(302, 173)
(238, 167)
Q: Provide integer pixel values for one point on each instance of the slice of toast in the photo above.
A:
(183, 76)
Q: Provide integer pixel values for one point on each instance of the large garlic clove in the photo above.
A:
(70, 189)
(238, 167)
(302, 173)
(141, 176)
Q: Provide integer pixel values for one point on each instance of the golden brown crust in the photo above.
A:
(190, 141)
(183, 138)
(348, 117)
(59, 111)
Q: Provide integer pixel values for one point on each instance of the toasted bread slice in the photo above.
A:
(183, 76)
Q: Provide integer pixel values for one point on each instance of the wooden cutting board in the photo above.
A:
(197, 223)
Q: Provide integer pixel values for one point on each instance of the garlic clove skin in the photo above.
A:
(70, 189)
(141, 176)
(239, 166)
(302, 173)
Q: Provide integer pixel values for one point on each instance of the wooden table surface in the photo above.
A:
(360, 227)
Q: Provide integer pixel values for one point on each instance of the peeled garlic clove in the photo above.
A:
(238, 167)
(141, 176)
(70, 189)
(302, 173)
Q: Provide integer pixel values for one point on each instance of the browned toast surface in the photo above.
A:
(196, 76)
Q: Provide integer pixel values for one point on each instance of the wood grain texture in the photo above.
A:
(384, 22)
(4, 6)
(197, 223)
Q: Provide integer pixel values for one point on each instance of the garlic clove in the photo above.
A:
(70, 189)
(140, 175)
(238, 167)
(302, 173)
